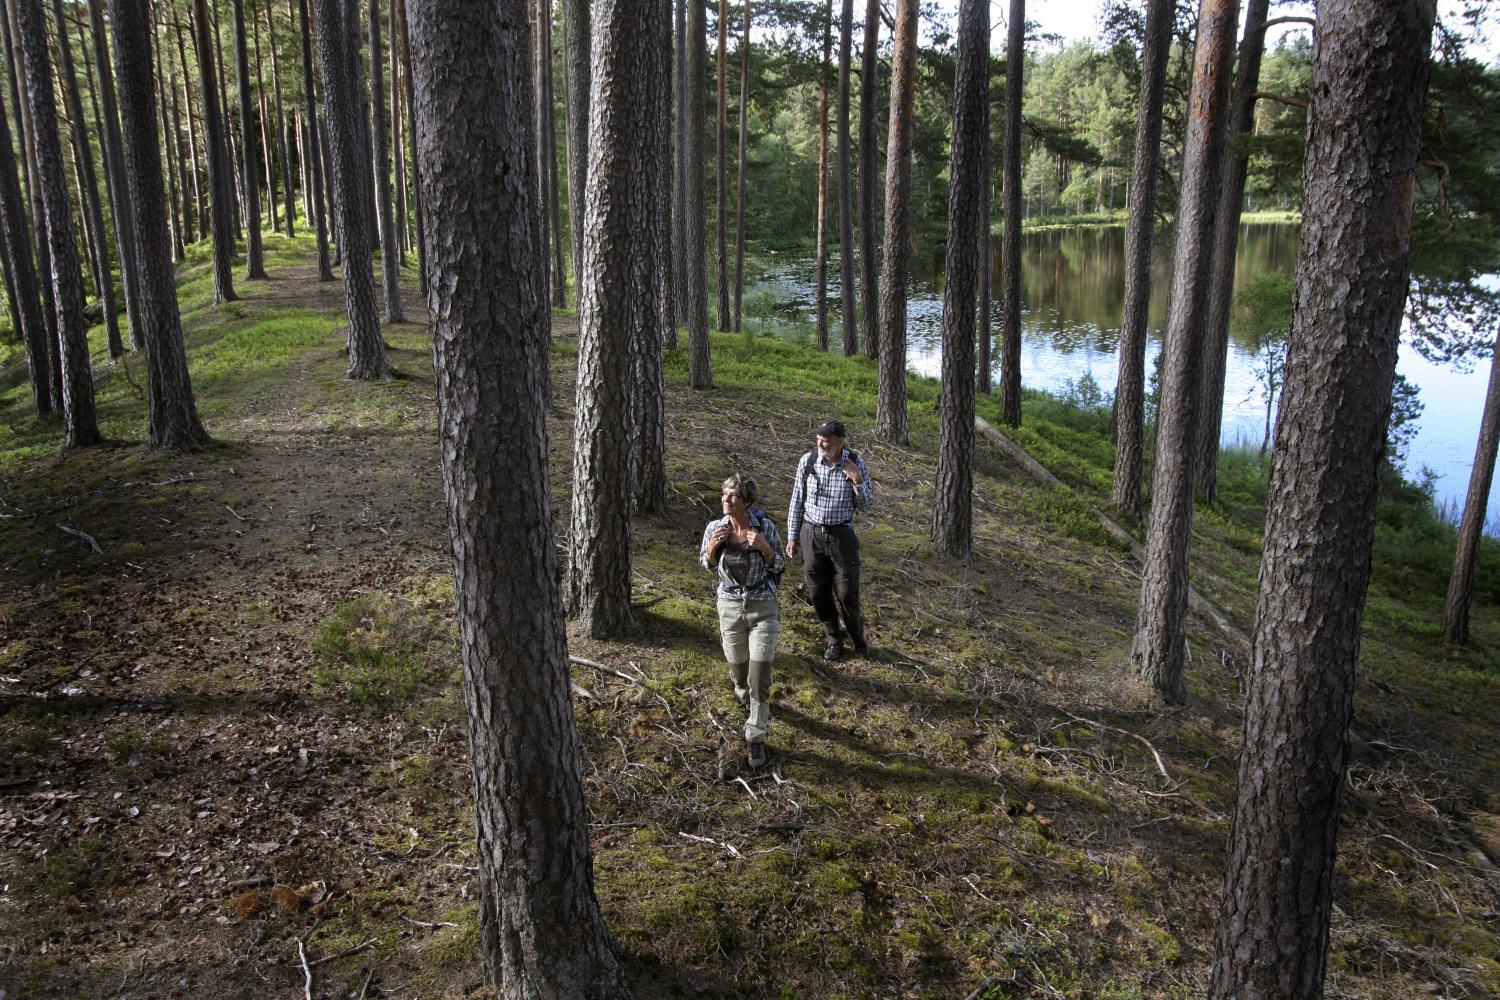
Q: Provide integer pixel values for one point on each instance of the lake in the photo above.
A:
(1073, 294)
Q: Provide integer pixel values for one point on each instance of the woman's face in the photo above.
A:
(731, 502)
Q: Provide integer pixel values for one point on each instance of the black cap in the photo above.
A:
(830, 428)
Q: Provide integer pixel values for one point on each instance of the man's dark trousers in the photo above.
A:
(830, 565)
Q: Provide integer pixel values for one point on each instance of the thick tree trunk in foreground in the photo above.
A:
(700, 374)
(1476, 503)
(173, 424)
(739, 214)
(1226, 237)
(80, 427)
(869, 184)
(1160, 646)
(1130, 384)
(26, 291)
(846, 186)
(1363, 138)
(367, 357)
(890, 405)
(620, 304)
(822, 237)
(721, 169)
(1010, 244)
(314, 152)
(390, 244)
(953, 501)
(540, 930)
(255, 260)
(576, 31)
(218, 161)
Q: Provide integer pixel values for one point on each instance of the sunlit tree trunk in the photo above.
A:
(25, 291)
(822, 237)
(739, 215)
(700, 375)
(576, 31)
(540, 930)
(1364, 134)
(169, 147)
(986, 258)
(953, 499)
(1476, 503)
(1010, 245)
(721, 170)
(869, 184)
(390, 249)
(173, 415)
(416, 171)
(680, 223)
(1160, 647)
(289, 208)
(1130, 384)
(314, 152)
(549, 162)
(890, 406)
(218, 161)
(846, 186)
(255, 264)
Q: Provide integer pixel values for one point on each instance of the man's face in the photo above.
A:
(830, 447)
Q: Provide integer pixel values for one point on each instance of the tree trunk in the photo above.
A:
(540, 929)
(576, 30)
(416, 175)
(953, 500)
(846, 186)
(255, 264)
(88, 181)
(868, 221)
(986, 249)
(398, 134)
(680, 222)
(325, 270)
(169, 146)
(124, 221)
(1130, 384)
(739, 215)
(549, 143)
(1226, 236)
(201, 224)
(721, 169)
(79, 424)
(289, 208)
(367, 357)
(890, 406)
(390, 250)
(216, 58)
(218, 161)
(1364, 134)
(268, 163)
(822, 253)
(26, 294)
(1476, 503)
(1010, 246)
(1160, 646)
(700, 375)
(648, 465)
(173, 421)
(619, 305)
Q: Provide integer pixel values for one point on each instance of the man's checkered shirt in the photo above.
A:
(825, 495)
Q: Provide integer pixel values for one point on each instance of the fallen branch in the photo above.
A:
(235, 513)
(733, 851)
(426, 925)
(1160, 765)
(595, 665)
(355, 950)
(307, 972)
(85, 536)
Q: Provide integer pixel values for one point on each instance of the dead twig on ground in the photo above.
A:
(733, 851)
(307, 972)
(431, 925)
(355, 950)
(595, 665)
(93, 543)
(1160, 764)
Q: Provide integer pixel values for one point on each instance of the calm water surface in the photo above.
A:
(1073, 292)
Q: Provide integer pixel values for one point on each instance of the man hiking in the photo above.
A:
(832, 484)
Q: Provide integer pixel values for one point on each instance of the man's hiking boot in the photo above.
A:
(834, 651)
(756, 751)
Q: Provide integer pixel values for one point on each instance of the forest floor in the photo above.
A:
(236, 731)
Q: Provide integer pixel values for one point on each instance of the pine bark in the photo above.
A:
(822, 237)
(1226, 238)
(983, 336)
(216, 58)
(890, 405)
(700, 374)
(314, 152)
(1130, 383)
(124, 221)
(576, 30)
(390, 248)
(25, 292)
(1010, 245)
(554, 200)
(255, 263)
(289, 207)
(739, 215)
(80, 427)
(398, 134)
(846, 186)
(721, 170)
(540, 929)
(953, 500)
(201, 223)
(268, 150)
(367, 357)
(1363, 140)
(169, 147)
(648, 466)
(1160, 647)
(1476, 504)
(680, 263)
(868, 183)
(218, 161)
(88, 181)
(173, 423)
(619, 312)
(416, 177)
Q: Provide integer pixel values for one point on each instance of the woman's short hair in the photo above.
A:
(749, 492)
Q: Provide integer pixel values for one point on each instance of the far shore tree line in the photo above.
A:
(429, 129)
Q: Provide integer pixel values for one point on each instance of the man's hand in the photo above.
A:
(791, 547)
(849, 469)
